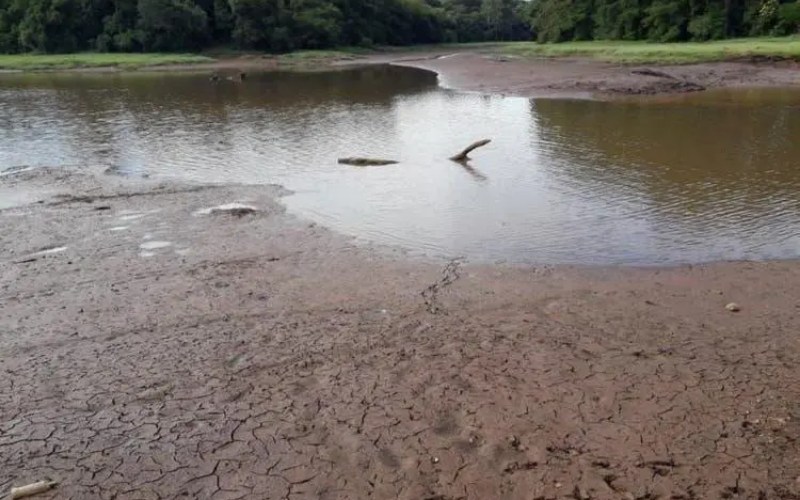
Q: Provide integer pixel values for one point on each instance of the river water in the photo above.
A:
(694, 178)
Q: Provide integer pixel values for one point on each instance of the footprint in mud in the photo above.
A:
(445, 425)
(388, 458)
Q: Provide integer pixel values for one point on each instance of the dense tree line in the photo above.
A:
(662, 20)
(284, 25)
(275, 25)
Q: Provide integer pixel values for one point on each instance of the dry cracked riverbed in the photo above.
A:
(151, 351)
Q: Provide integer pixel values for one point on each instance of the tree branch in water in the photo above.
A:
(464, 155)
(365, 162)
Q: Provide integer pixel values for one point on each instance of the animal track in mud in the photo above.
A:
(450, 275)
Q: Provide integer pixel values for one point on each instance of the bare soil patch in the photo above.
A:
(584, 78)
(265, 357)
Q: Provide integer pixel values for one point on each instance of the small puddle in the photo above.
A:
(131, 217)
(49, 251)
(227, 207)
(155, 245)
(12, 198)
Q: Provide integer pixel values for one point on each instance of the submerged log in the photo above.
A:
(365, 162)
(464, 155)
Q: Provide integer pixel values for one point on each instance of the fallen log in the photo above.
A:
(365, 162)
(464, 155)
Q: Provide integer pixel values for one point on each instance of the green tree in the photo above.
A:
(618, 20)
(561, 20)
(788, 19)
(315, 24)
(499, 18)
(172, 25)
(222, 20)
(119, 28)
(253, 22)
(666, 21)
(42, 25)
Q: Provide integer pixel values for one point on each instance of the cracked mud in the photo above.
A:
(264, 357)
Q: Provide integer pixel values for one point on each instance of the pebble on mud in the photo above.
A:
(733, 307)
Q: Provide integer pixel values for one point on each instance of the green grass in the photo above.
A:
(664, 53)
(613, 51)
(308, 58)
(29, 62)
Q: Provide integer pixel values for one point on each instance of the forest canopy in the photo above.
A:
(60, 26)
(274, 25)
(662, 20)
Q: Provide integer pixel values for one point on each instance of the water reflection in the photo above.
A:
(712, 176)
(716, 176)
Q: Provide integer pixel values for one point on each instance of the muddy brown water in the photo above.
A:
(701, 177)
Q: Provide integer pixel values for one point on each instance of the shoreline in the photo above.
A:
(589, 79)
(488, 70)
(155, 349)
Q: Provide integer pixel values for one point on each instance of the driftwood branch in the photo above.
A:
(464, 155)
(365, 162)
(654, 73)
(32, 489)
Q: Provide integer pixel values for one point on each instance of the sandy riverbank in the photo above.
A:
(486, 70)
(481, 71)
(154, 352)
(586, 78)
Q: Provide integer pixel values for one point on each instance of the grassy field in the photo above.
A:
(92, 60)
(33, 62)
(665, 53)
